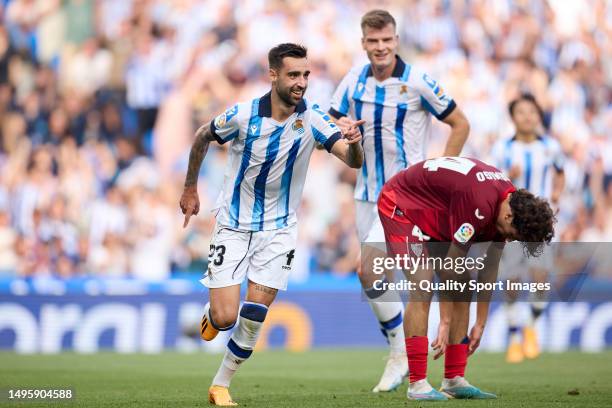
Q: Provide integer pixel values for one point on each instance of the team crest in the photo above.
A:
(416, 249)
(298, 126)
(403, 89)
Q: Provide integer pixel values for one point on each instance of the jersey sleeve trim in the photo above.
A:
(329, 143)
(336, 114)
(218, 138)
(451, 107)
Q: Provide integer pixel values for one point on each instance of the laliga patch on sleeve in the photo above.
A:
(220, 121)
(464, 233)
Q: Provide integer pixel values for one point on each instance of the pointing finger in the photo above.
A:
(188, 214)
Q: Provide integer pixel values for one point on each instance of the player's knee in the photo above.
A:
(224, 316)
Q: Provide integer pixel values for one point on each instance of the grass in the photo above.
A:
(328, 378)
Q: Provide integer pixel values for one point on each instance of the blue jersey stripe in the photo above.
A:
(359, 90)
(378, 144)
(527, 170)
(281, 220)
(508, 155)
(319, 136)
(428, 107)
(406, 73)
(252, 134)
(344, 104)
(262, 178)
(399, 134)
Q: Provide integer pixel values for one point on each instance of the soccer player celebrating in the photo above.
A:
(457, 201)
(396, 100)
(533, 162)
(272, 138)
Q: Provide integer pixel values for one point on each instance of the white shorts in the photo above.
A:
(263, 257)
(369, 227)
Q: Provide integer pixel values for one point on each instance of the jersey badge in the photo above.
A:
(298, 126)
(464, 233)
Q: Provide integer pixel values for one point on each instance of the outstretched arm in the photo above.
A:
(190, 202)
(348, 149)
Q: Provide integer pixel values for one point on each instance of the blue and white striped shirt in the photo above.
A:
(268, 160)
(397, 112)
(534, 159)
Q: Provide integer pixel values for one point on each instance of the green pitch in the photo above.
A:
(330, 378)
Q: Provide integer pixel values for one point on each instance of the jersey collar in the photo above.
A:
(538, 137)
(398, 71)
(265, 106)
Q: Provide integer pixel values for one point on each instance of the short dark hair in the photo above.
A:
(377, 19)
(533, 219)
(527, 97)
(276, 54)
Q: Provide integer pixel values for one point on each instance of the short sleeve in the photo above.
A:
(468, 218)
(340, 104)
(324, 130)
(433, 97)
(226, 126)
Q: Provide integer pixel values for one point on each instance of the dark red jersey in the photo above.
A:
(449, 198)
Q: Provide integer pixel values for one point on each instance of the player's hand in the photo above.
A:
(350, 130)
(344, 123)
(475, 336)
(440, 343)
(190, 203)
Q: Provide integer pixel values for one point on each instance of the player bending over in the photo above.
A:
(457, 201)
(397, 101)
(272, 138)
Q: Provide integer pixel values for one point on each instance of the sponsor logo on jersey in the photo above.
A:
(477, 214)
(464, 233)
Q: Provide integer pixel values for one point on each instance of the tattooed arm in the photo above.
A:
(190, 202)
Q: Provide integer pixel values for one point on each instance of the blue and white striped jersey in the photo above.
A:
(535, 160)
(397, 112)
(267, 164)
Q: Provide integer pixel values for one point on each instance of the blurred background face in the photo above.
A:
(291, 80)
(380, 45)
(526, 117)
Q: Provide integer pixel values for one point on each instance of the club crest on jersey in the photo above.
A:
(464, 233)
(403, 89)
(416, 249)
(298, 126)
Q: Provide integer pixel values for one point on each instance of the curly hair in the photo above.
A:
(533, 219)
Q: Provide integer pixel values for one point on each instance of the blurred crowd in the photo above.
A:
(99, 101)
